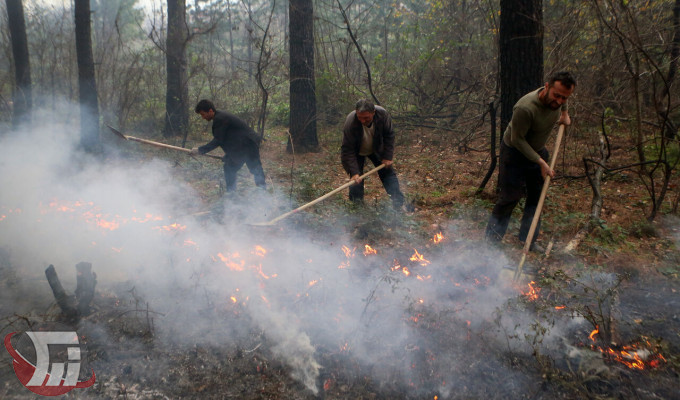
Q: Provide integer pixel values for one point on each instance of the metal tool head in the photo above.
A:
(117, 132)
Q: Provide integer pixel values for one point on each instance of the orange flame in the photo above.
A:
(260, 251)
(638, 356)
(258, 268)
(171, 227)
(419, 258)
(396, 265)
(231, 264)
(369, 250)
(438, 238)
(532, 292)
(348, 253)
(110, 225)
(594, 332)
(314, 282)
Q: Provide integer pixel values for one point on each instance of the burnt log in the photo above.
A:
(86, 280)
(74, 306)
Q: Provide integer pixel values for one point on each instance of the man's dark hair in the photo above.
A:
(364, 105)
(564, 77)
(204, 105)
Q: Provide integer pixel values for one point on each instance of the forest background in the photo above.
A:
(444, 69)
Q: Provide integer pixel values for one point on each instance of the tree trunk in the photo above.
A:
(177, 93)
(87, 87)
(302, 86)
(232, 56)
(22, 95)
(521, 52)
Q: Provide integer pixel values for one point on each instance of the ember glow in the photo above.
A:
(260, 251)
(349, 254)
(229, 262)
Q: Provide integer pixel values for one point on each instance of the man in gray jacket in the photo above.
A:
(368, 133)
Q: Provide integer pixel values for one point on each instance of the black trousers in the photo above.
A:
(515, 175)
(251, 158)
(387, 176)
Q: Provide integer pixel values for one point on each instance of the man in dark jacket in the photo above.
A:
(368, 133)
(240, 143)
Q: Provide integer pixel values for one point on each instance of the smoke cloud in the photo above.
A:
(140, 225)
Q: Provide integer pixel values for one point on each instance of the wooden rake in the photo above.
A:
(539, 207)
(158, 144)
(325, 196)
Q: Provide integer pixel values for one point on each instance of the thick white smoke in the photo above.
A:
(135, 222)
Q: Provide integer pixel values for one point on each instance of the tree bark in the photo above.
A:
(87, 87)
(521, 52)
(302, 85)
(22, 96)
(177, 92)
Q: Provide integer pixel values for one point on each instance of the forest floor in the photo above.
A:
(623, 280)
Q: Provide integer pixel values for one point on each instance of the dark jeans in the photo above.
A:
(251, 158)
(387, 176)
(515, 174)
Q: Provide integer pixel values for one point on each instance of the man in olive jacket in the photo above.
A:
(240, 143)
(368, 133)
(523, 157)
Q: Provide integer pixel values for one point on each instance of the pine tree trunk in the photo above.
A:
(87, 87)
(22, 95)
(521, 52)
(302, 86)
(177, 92)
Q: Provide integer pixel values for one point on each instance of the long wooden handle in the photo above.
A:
(539, 207)
(167, 146)
(158, 144)
(325, 196)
